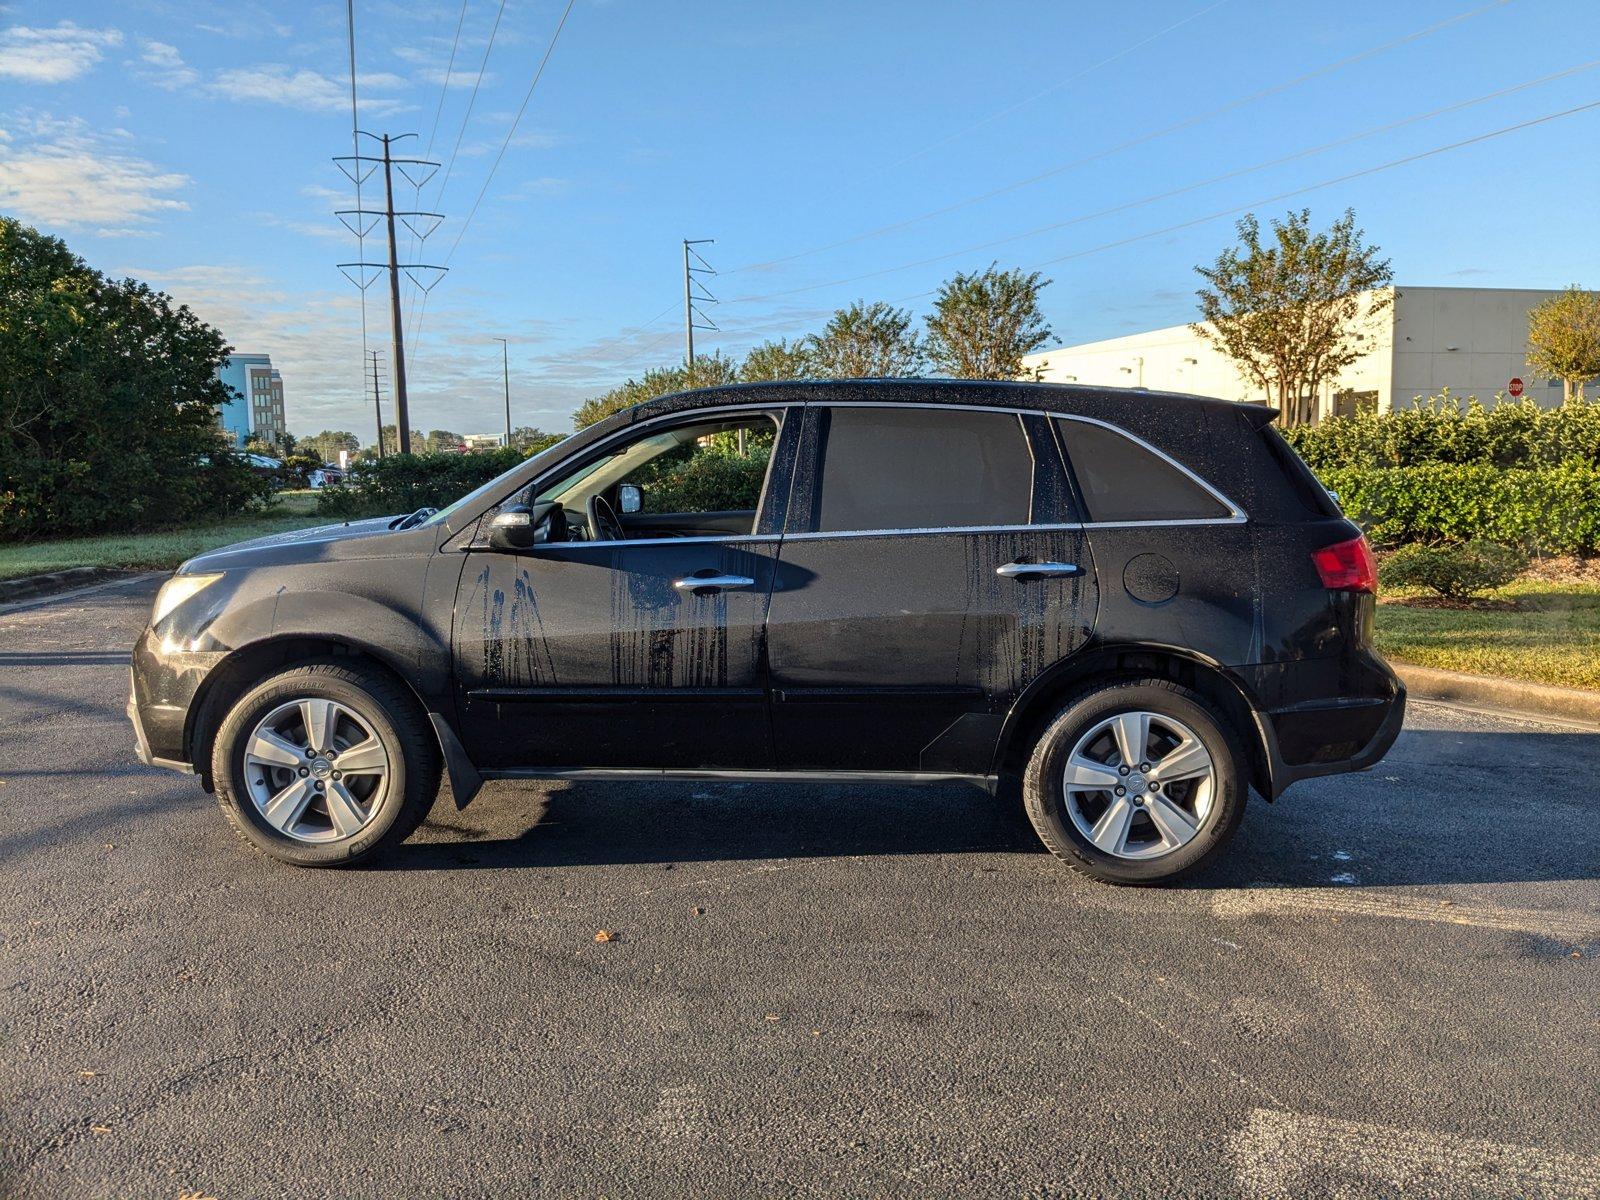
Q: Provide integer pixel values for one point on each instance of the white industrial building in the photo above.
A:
(1473, 341)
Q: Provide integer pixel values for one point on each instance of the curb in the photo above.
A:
(1507, 695)
(30, 586)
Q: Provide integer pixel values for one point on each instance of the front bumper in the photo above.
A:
(142, 739)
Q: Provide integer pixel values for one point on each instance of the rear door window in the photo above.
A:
(1122, 480)
(920, 468)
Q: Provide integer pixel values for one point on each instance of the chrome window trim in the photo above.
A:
(1236, 515)
(663, 541)
(932, 530)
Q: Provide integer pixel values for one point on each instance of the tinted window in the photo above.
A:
(1122, 481)
(922, 468)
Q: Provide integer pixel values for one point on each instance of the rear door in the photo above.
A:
(933, 565)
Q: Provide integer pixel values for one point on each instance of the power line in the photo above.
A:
(1312, 187)
(1186, 123)
(1179, 191)
(448, 70)
(355, 148)
(1057, 86)
(471, 101)
(538, 74)
(511, 132)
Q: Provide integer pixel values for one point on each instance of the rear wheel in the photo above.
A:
(1135, 782)
(325, 764)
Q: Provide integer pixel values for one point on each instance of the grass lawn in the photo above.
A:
(165, 549)
(1552, 636)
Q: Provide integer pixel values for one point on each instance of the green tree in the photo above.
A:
(527, 439)
(983, 323)
(772, 361)
(866, 341)
(1564, 340)
(710, 370)
(327, 444)
(391, 440)
(1287, 311)
(109, 400)
(440, 440)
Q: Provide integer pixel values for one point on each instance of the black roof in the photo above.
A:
(1138, 406)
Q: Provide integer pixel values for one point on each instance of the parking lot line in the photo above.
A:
(1249, 902)
(1290, 1154)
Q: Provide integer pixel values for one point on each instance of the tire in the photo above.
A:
(1204, 809)
(352, 814)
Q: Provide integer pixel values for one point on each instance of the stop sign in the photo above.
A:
(1516, 387)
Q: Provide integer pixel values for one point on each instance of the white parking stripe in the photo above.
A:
(1287, 1154)
(1246, 902)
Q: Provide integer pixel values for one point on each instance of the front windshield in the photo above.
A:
(487, 489)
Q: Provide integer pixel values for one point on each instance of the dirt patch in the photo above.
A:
(1467, 604)
(1567, 569)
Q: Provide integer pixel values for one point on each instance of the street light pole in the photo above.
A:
(505, 374)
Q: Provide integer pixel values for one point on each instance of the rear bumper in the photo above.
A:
(1349, 730)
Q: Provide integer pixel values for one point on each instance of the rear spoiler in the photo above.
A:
(1259, 416)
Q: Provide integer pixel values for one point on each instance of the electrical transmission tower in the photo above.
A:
(416, 171)
(377, 402)
(695, 294)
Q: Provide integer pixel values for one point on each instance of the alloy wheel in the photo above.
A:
(1139, 785)
(315, 770)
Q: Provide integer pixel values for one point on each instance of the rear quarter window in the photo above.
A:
(1302, 481)
(1122, 480)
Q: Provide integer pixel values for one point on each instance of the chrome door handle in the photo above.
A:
(1034, 570)
(712, 583)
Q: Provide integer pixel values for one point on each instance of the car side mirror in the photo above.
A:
(630, 498)
(518, 527)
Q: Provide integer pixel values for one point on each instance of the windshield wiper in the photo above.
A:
(414, 519)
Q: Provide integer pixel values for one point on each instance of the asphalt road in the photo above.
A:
(1391, 984)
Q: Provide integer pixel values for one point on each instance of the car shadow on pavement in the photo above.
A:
(1446, 807)
(602, 822)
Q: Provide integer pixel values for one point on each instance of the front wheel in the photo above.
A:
(1135, 782)
(324, 764)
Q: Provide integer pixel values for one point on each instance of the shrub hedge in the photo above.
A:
(1442, 430)
(1549, 510)
(403, 483)
(1456, 570)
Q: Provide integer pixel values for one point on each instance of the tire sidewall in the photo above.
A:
(227, 765)
(1047, 792)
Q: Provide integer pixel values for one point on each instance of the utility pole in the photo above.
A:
(505, 373)
(690, 298)
(377, 404)
(358, 172)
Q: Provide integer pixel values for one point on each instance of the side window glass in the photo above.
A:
(1122, 481)
(920, 468)
(719, 469)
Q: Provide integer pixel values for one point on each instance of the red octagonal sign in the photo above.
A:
(1516, 387)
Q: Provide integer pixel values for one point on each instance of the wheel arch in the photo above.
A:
(249, 664)
(1041, 700)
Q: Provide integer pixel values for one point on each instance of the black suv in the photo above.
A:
(1138, 604)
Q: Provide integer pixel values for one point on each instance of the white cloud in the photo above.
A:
(57, 55)
(163, 66)
(311, 91)
(60, 173)
(170, 72)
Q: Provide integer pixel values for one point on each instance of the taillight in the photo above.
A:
(1347, 566)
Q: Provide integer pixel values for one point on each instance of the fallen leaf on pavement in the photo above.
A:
(605, 935)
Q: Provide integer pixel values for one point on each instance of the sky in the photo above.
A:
(835, 150)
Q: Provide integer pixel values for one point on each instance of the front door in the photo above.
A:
(632, 643)
(938, 568)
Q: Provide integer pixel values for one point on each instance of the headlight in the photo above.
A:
(178, 589)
